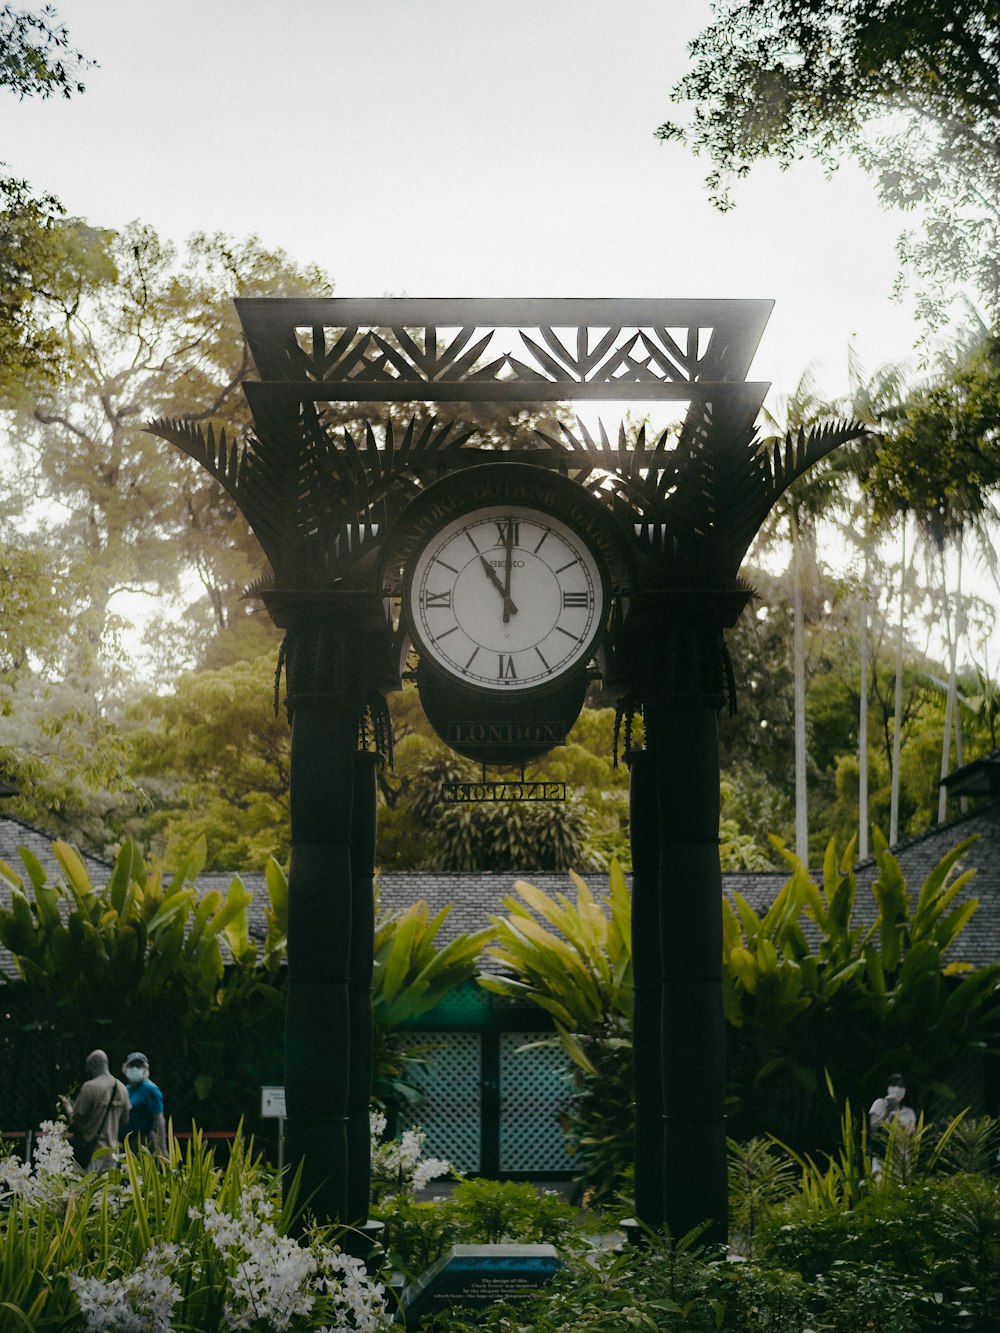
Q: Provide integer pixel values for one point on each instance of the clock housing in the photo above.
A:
(506, 598)
(506, 574)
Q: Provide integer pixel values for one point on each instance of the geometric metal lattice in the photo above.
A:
(513, 350)
(535, 1088)
(449, 1078)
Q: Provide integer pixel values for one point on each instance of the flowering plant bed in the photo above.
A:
(166, 1246)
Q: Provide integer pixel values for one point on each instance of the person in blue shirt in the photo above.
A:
(146, 1123)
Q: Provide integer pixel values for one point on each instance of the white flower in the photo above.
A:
(54, 1166)
(140, 1302)
(431, 1168)
(376, 1125)
(15, 1177)
(53, 1155)
(400, 1164)
(411, 1145)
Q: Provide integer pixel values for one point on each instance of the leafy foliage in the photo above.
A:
(411, 974)
(214, 762)
(148, 959)
(144, 959)
(908, 89)
(810, 993)
(580, 970)
(181, 1243)
(574, 960)
(477, 1212)
(891, 1261)
(146, 328)
(36, 58)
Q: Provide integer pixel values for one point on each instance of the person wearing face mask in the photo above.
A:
(889, 1110)
(147, 1124)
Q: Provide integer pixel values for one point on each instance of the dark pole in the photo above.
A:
(684, 738)
(360, 985)
(677, 669)
(647, 984)
(333, 649)
(324, 741)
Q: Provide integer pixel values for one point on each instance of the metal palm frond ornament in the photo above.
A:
(516, 568)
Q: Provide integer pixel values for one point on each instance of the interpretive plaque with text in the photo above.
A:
(477, 1276)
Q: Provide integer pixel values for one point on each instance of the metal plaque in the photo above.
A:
(477, 793)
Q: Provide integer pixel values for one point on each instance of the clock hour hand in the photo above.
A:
(509, 608)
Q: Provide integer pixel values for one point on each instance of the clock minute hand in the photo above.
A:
(508, 605)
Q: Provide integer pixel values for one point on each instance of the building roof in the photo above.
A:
(473, 897)
(16, 833)
(979, 778)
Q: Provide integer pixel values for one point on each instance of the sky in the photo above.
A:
(457, 148)
(460, 148)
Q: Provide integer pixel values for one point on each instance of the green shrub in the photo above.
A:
(489, 1211)
(417, 1233)
(659, 1288)
(479, 1212)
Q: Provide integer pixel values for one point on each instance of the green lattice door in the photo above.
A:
(490, 1106)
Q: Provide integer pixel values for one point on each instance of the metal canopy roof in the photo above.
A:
(507, 349)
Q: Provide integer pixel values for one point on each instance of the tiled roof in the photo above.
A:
(473, 897)
(15, 833)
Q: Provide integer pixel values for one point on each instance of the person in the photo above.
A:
(147, 1125)
(889, 1110)
(98, 1115)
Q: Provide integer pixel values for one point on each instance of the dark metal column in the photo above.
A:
(684, 740)
(360, 985)
(317, 1072)
(673, 651)
(647, 980)
(334, 654)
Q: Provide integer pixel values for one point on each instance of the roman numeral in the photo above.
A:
(576, 599)
(509, 532)
(506, 670)
(442, 599)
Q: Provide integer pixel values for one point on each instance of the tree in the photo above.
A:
(940, 462)
(909, 88)
(875, 399)
(36, 60)
(158, 336)
(212, 759)
(809, 500)
(140, 327)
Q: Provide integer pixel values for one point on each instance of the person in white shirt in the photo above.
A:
(889, 1110)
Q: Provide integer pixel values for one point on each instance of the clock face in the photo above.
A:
(506, 598)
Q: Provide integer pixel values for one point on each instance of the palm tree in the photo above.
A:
(942, 464)
(874, 400)
(804, 504)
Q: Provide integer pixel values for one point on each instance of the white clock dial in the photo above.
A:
(506, 598)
